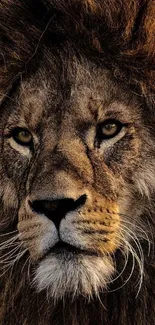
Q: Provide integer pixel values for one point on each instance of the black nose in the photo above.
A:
(56, 210)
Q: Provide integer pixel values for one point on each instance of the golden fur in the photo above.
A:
(77, 208)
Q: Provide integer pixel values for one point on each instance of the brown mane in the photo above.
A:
(120, 35)
(120, 32)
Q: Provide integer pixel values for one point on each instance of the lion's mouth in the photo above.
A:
(65, 248)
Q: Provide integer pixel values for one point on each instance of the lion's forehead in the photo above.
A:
(77, 97)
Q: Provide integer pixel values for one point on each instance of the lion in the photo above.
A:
(77, 166)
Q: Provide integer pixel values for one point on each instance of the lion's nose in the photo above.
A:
(57, 209)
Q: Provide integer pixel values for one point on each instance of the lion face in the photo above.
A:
(75, 157)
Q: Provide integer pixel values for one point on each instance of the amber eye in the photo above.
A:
(108, 129)
(22, 136)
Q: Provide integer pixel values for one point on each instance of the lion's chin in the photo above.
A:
(73, 274)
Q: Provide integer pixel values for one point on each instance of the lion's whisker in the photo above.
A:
(10, 254)
(8, 233)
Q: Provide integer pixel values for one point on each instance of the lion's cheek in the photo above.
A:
(37, 235)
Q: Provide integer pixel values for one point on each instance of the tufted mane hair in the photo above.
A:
(120, 35)
(118, 32)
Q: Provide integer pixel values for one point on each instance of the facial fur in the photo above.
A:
(77, 162)
(98, 183)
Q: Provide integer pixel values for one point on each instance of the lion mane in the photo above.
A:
(118, 35)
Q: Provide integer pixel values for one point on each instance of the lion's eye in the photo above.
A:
(22, 136)
(108, 129)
